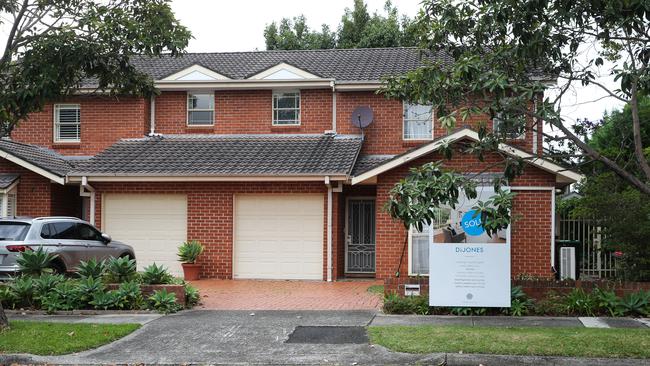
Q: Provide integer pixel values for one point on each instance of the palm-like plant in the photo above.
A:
(120, 269)
(156, 275)
(189, 251)
(91, 269)
(35, 262)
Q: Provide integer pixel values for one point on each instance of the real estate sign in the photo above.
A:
(466, 266)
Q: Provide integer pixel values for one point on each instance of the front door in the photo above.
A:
(360, 236)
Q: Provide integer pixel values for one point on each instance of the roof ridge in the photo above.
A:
(295, 51)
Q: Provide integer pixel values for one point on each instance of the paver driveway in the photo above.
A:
(287, 295)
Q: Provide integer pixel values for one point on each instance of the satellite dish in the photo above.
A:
(362, 117)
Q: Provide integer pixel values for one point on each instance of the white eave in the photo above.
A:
(195, 72)
(562, 174)
(29, 166)
(245, 84)
(205, 178)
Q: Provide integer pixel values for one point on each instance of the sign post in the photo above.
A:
(468, 268)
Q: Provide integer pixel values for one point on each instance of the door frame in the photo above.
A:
(345, 234)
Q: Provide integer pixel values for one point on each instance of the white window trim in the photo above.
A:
(56, 122)
(522, 136)
(410, 252)
(4, 199)
(187, 110)
(433, 118)
(273, 109)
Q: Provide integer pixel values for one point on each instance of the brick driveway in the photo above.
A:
(287, 295)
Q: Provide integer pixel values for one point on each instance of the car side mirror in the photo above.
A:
(106, 238)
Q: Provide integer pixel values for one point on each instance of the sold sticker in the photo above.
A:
(471, 223)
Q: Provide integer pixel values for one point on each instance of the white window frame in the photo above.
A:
(277, 93)
(57, 123)
(404, 120)
(188, 110)
(410, 250)
(11, 193)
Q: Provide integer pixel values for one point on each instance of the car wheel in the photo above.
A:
(58, 267)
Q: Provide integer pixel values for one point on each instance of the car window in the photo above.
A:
(87, 232)
(60, 230)
(15, 231)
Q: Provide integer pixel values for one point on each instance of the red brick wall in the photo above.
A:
(104, 120)
(530, 233)
(245, 112)
(210, 214)
(34, 191)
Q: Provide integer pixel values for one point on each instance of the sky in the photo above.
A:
(238, 25)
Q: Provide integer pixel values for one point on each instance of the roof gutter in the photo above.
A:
(241, 84)
(230, 178)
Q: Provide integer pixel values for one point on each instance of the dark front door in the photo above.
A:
(360, 236)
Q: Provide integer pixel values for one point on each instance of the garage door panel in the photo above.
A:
(154, 225)
(279, 237)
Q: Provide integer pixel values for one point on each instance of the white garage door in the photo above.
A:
(279, 237)
(154, 225)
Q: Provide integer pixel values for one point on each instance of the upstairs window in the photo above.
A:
(286, 108)
(418, 122)
(67, 123)
(200, 109)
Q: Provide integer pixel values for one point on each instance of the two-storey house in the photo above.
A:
(254, 154)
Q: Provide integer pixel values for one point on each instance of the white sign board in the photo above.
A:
(468, 268)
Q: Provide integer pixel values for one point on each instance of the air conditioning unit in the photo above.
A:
(567, 263)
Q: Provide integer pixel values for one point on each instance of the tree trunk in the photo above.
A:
(4, 323)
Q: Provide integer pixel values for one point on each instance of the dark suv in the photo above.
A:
(71, 239)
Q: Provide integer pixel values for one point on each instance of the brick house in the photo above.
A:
(254, 154)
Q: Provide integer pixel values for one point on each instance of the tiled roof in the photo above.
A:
(226, 155)
(367, 162)
(41, 157)
(6, 180)
(361, 64)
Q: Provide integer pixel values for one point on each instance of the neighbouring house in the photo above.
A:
(254, 154)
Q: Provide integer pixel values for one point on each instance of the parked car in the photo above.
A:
(71, 239)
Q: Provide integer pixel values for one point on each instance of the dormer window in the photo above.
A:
(286, 108)
(418, 122)
(200, 109)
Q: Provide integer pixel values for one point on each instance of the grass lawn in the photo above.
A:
(43, 338)
(577, 342)
(376, 289)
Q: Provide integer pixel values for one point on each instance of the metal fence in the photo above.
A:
(595, 261)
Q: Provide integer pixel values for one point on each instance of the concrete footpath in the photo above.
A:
(269, 337)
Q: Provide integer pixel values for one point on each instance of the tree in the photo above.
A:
(358, 29)
(501, 51)
(54, 47)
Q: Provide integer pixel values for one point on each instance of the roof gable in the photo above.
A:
(195, 72)
(41, 161)
(562, 174)
(284, 71)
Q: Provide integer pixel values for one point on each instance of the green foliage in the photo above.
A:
(91, 269)
(65, 296)
(192, 295)
(105, 300)
(163, 302)
(636, 304)
(189, 251)
(23, 289)
(395, 304)
(87, 288)
(8, 298)
(579, 302)
(120, 269)
(129, 296)
(66, 42)
(520, 304)
(358, 29)
(608, 302)
(551, 304)
(35, 262)
(412, 199)
(46, 283)
(156, 275)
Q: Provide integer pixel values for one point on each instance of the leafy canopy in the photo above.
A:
(56, 46)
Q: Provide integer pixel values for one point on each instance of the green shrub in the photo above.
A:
(87, 288)
(129, 296)
(163, 302)
(45, 283)
(395, 304)
(7, 297)
(35, 262)
(579, 302)
(520, 304)
(636, 304)
(105, 300)
(22, 288)
(607, 302)
(156, 275)
(192, 295)
(551, 304)
(120, 270)
(65, 296)
(91, 269)
(189, 251)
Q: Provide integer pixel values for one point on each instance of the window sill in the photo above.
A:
(66, 145)
(414, 143)
(200, 126)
